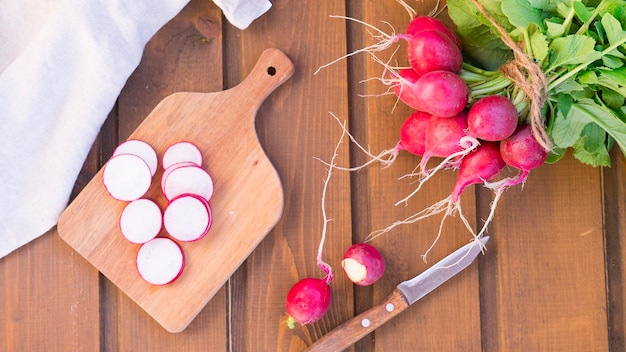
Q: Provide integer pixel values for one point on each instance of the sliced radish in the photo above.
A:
(188, 180)
(172, 168)
(142, 150)
(141, 221)
(187, 217)
(126, 177)
(160, 261)
(181, 151)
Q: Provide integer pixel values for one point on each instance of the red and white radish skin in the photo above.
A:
(363, 264)
(441, 93)
(188, 180)
(181, 152)
(160, 261)
(126, 177)
(492, 118)
(171, 168)
(142, 150)
(307, 301)
(187, 218)
(141, 221)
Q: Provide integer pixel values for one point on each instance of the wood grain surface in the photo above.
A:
(552, 278)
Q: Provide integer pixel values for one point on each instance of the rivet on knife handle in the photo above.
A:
(356, 328)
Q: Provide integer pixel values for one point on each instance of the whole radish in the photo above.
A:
(363, 264)
(523, 152)
(427, 23)
(479, 166)
(307, 301)
(441, 93)
(492, 118)
(430, 50)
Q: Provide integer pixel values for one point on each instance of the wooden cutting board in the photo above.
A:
(246, 204)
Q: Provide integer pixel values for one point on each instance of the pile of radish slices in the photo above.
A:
(187, 217)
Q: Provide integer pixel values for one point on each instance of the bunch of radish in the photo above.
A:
(187, 217)
(474, 133)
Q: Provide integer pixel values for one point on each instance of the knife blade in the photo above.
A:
(405, 294)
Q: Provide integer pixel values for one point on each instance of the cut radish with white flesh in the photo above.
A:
(142, 150)
(181, 151)
(172, 168)
(141, 221)
(188, 180)
(187, 217)
(126, 177)
(160, 261)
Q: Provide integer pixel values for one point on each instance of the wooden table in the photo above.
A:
(551, 280)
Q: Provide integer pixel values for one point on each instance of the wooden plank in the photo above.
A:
(615, 232)
(294, 126)
(550, 262)
(185, 55)
(457, 301)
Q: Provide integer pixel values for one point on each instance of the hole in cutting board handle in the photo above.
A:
(271, 70)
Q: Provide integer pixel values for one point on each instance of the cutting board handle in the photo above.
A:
(271, 70)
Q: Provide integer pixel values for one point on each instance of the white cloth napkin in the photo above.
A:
(63, 64)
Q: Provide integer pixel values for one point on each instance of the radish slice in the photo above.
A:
(160, 261)
(172, 168)
(188, 180)
(126, 177)
(141, 221)
(142, 150)
(187, 217)
(181, 151)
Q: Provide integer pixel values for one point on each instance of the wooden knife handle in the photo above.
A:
(356, 328)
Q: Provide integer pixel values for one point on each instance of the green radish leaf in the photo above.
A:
(581, 11)
(480, 41)
(521, 13)
(571, 50)
(554, 29)
(613, 29)
(539, 45)
(605, 118)
(566, 129)
(611, 98)
(590, 148)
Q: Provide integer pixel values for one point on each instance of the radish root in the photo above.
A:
(320, 262)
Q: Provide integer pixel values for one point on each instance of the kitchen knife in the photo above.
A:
(405, 294)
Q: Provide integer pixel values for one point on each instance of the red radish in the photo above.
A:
(160, 261)
(403, 83)
(187, 217)
(307, 301)
(441, 93)
(413, 133)
(141, 149)
(188, 180)
(428, 23)
(429, 51)
(479, 166)
(181, 151)
(492, 118)
(126, 177)
(363, 264)
(141, 221)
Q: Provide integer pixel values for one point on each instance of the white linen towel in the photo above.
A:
(63, 64)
